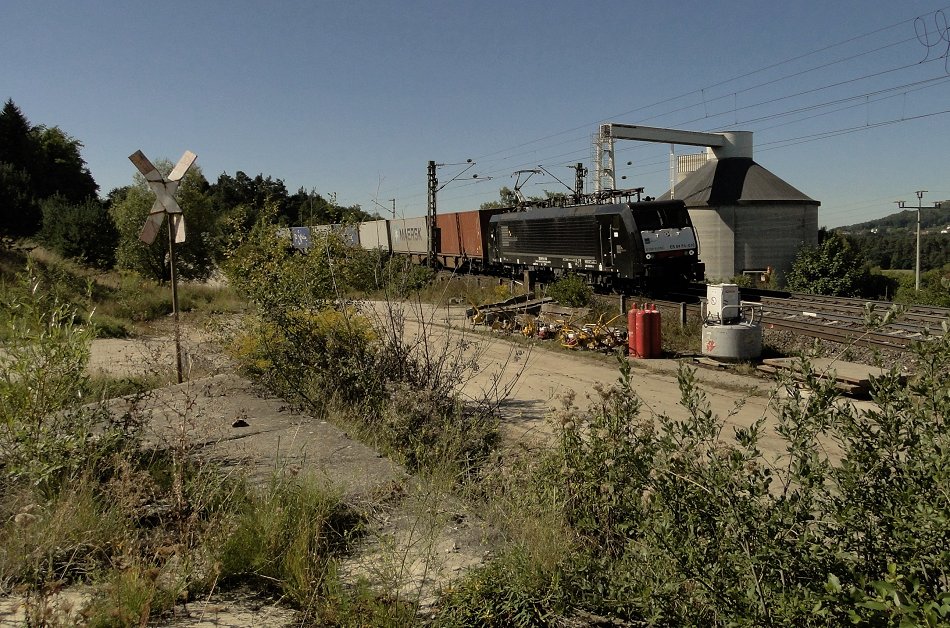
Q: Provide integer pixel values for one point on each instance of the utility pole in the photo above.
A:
(394, 207)
(579, 173)
(431, 211)
(920, 197)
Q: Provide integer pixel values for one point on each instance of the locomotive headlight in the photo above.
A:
(649, 256)
(692, 252)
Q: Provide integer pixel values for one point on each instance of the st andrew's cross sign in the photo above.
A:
(164, 189)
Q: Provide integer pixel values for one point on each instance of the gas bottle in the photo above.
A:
(642, 335)
(656, 332)
(632, 330)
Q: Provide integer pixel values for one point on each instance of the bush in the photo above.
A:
(834, 268)
(287, 536)
(313, 346)
(48, 433)
(934, 288)
(571, 291)
(85, 232)
(681, 524)
(319, 355)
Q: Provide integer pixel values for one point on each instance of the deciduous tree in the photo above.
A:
(834, 267)
(194, 257)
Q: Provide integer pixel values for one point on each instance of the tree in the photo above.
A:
(507, 198)
(230, 192)
(834, 267)
(61, 169)
(195, 257)
(36, 163)
(18, 211)
(16, 142)
(19, 214)
(83, 231)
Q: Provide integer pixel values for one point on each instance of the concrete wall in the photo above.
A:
(734, 239)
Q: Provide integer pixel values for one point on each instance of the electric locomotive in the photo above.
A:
(621, 246)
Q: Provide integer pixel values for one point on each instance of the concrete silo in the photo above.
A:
(747, 218)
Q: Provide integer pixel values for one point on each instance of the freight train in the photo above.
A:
(615, 246)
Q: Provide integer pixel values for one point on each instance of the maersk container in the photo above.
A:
(374, 235)
(409, 235)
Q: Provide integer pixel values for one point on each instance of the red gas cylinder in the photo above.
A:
(632, 330)
(656, 333)
(641, 347)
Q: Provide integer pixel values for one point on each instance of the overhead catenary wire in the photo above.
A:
(499, 161)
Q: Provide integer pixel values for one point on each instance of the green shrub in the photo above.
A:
(402, 278)
(512, 590)
(682, 524)
(571, 291)
(48, 432)
(84, 232)
(312, 346)
(934, 288)
(834, 267)
(106, 326)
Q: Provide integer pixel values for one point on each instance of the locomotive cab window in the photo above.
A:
(666, 218)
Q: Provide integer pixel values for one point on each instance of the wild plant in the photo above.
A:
(680, 522)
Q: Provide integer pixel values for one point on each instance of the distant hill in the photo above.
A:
(890, 242)
(905, 219)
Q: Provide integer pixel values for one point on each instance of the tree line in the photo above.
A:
(47, 193)
(896, 250)
(848, 265)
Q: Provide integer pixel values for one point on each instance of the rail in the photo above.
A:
(837, 319)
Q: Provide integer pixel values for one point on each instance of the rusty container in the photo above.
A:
(464, 236)
(451, 243)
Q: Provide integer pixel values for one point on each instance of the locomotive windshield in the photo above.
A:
(656, 218)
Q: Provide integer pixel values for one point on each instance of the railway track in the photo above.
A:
(836, 319)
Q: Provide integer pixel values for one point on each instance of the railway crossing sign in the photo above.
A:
(164, 189)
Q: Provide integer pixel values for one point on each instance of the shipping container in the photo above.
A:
(409, 235)
(374, 235)
(463, 237)
(300, 238)
(348, 233)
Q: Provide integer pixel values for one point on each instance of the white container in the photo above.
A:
(374, 235)
(409, 235)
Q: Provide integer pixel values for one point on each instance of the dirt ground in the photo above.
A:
(420, 539)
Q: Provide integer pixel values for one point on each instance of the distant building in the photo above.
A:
(747, 218)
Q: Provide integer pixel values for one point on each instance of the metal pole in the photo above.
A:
(920, 196)
(394, 208)
(431, 212)
(174, 278)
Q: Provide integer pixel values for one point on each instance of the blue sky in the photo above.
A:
(845, 100)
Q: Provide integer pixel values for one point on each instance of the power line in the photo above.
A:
(540, 153)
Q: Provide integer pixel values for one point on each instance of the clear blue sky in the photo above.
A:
(353, 98)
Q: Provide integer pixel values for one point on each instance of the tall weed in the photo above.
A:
(287, 537)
